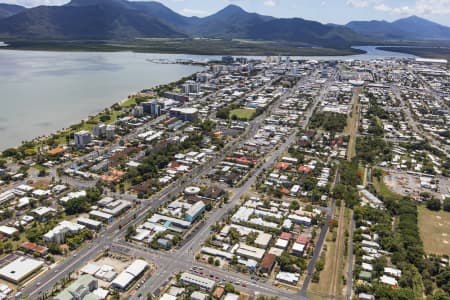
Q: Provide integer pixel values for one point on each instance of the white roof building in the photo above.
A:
(123, 280)
(282, 244)
(199, 281)
(6, 230)
(42, 211)
(250, 252)
(388, 280)
(263, 239)
(198, 296)
(291, 278)
(58, 234)
(231, 296)
(90, 269)
(167, 297)
(218, 253)
(117, 207)
(20, 269)
(393, 272)
(73, 195)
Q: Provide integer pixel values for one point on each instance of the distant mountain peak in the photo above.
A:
(414, 17)
(95, 2)
(231, 9)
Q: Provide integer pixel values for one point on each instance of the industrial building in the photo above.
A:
(101, 216)
(130, 274)
(117, 207)
(20, 269)
(201, 282)
(250, 252)
(89, 223)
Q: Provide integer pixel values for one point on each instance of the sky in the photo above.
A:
(325, 11)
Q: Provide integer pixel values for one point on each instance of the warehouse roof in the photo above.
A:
(20, 268)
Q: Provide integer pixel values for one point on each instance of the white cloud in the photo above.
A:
(32, 3)
(421, 7)
(270, 3)
(361, 3)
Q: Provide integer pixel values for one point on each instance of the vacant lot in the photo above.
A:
(383, 190)
(435, 230)
(244, 114)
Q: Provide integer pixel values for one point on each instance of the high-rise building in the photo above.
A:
(82, 138)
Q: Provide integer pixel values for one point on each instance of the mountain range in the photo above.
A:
(411, 28)
(8, 10)
(125, 20)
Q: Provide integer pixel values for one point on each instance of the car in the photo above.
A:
(201, 273)
(244, 285)
(212, 276)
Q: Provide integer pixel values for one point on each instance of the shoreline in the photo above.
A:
(202, 47)
(422, 52)
(58, 134)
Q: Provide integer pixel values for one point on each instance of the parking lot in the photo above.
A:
(407, 184)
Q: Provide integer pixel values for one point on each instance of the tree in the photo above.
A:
(434, 204)
(217, 262)
(131, 230)
(446, 205)
(234, 235)
(379, 264)
(439, 295)
(77, 205)
(229, 288)
(10, 152)
(210, 260)
(294, 205)
(443, 280)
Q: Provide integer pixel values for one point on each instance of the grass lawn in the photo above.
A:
(324, 284)
(244, 114)
(383, 190)
(90, 124)
(434, 229)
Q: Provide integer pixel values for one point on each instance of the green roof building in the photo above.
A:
(364, 275)
(81, 289)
